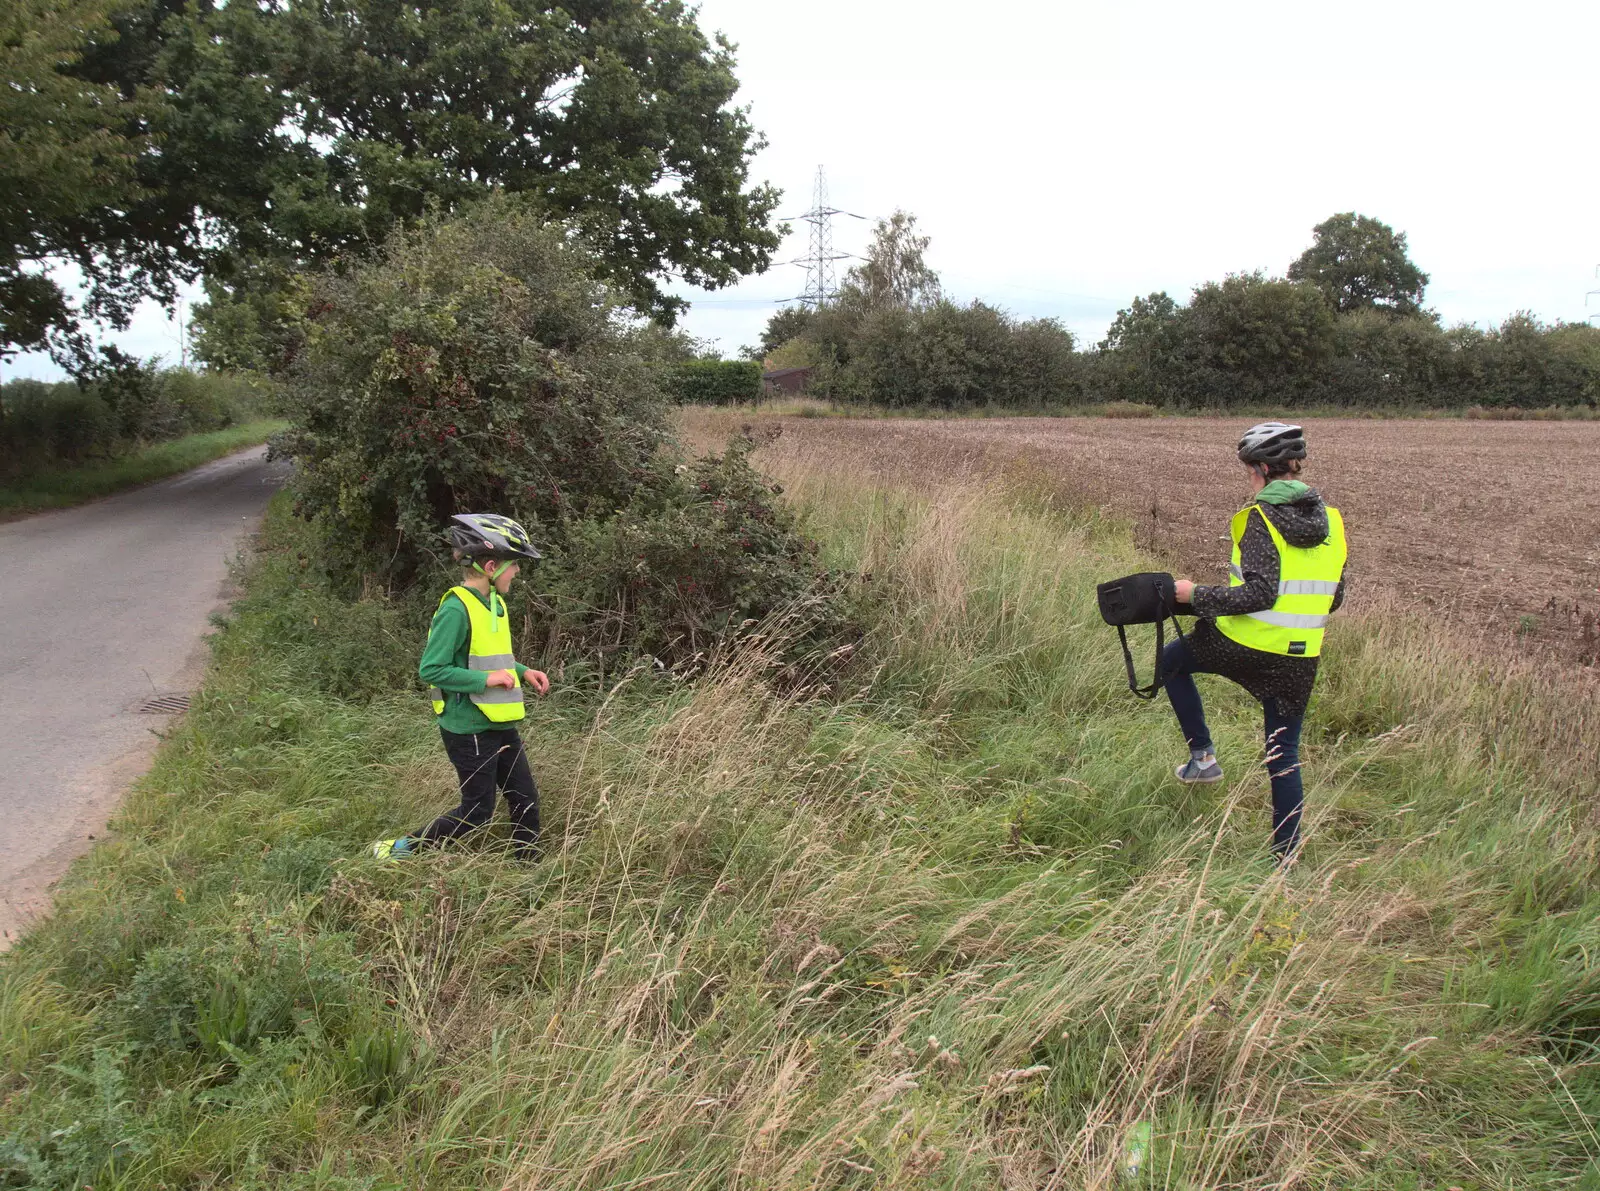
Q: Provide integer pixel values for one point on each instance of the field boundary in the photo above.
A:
(824, 407)
(1442, 519)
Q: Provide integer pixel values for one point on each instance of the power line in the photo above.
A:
(742, 301)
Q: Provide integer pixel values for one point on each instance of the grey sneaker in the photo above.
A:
(1199, 773)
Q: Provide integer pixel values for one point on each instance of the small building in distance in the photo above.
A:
(784, 380)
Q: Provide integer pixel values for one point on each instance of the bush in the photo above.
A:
(698, 553)
(44, 425)
(954, 357)
(1141, 358)
(1499, 413)
(1527, 364)
(1127, 409)
(477, 365)
(212, 992)
(714, 382)
(1252, 339)
(473, 364)
(795, 353)
(133, 392)
(1383, 361)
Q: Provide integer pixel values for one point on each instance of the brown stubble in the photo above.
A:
(1491, 526)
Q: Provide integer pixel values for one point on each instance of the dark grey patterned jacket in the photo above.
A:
(1303, 522)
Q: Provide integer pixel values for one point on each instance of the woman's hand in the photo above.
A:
(1184, 590)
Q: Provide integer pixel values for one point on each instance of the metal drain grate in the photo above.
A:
(165, 704)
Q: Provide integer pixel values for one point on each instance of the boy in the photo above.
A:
(477, 686)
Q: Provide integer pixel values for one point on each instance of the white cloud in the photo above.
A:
(1066, 157)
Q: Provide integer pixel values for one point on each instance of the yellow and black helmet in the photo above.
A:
(489, 535)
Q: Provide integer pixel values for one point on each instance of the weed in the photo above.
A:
(1126, 409)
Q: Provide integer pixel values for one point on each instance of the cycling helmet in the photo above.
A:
(489, 535)
(1272, 443)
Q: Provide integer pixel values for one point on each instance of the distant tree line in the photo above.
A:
(1345, 327)
(892, 338)
(119, 405)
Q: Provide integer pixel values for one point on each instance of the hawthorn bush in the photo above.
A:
(476, 364)
(704, 549)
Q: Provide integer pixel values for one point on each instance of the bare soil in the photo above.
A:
(1495, 525)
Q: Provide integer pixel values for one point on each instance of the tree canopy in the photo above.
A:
(258, 138)
(1360, 263)
(894, 275)
(69, 149)
(786, 323)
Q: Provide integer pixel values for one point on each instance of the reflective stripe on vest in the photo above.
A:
(1308, 579)
(488, 648)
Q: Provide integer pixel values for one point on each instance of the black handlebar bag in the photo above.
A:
(1150, 597)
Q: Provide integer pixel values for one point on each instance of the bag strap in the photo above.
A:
(1156, 679)
(1127, 661)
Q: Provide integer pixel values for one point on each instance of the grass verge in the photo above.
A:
(60, 488)
(949, 925)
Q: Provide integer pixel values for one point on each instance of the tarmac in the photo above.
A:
(104, 610)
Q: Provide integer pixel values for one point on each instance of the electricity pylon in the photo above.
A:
(821, 282)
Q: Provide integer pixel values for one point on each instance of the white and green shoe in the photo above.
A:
(393, 849)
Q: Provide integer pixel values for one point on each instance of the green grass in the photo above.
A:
(946, 925)
(62, 487)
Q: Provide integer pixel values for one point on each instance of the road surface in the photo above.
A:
(103, 607)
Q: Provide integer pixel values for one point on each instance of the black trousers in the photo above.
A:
(486, 762)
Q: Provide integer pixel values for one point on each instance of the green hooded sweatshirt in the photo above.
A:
(1282, 492)
(444, 665)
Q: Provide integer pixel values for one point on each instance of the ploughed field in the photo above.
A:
(1494, 524)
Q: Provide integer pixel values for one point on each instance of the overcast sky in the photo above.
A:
(1066, 157)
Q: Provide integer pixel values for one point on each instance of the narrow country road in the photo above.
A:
(103, 607)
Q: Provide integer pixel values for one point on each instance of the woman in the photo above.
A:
(1264, 629)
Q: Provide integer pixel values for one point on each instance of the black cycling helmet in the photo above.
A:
(489, 535)
(1272, 443)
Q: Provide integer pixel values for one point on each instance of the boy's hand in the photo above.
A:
(538, 680)
(1184, 590)
(501, 678)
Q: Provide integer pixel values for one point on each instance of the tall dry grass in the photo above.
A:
(942, 922)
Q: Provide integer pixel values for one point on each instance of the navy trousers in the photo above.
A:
(1178, 667)
(487, 762)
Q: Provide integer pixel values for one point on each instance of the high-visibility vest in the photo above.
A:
(1308, 577)
(489, 648)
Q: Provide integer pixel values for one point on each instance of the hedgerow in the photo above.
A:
(478, 365)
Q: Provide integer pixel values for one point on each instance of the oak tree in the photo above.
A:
(1361, 263)
(267, 136)
(68, 158)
